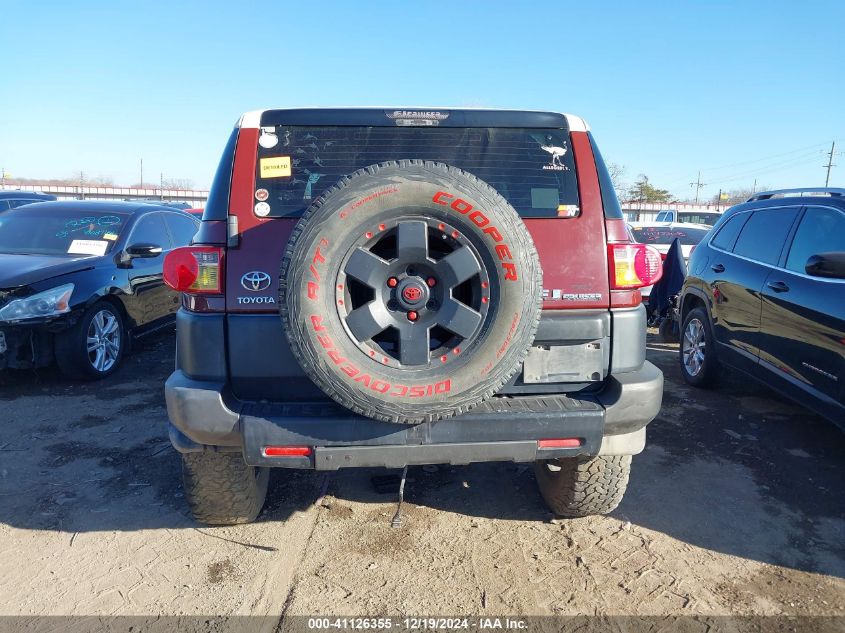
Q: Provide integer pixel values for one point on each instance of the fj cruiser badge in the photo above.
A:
(556, 294)
(416, 114)
(417, 117)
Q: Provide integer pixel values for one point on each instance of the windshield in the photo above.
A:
(59, 232)
(665, 235)
(532, 168)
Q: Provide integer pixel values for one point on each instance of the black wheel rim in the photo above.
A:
(413, 292)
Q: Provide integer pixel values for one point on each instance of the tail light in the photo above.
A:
(195, 269)
(286, 451)
(633, 266)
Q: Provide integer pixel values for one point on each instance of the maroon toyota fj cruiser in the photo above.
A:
(391, 287)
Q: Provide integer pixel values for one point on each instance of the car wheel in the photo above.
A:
(222, 489)
(410, 292)
(94, 347)
(583, 486)
(699, 365)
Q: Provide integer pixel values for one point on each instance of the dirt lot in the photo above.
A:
(736, 507)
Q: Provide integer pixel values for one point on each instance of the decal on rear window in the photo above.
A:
(556, 153)
(275, 167)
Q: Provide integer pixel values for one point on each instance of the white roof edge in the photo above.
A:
(251, 120)
(576, 123)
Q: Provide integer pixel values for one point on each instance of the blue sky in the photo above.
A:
(739, 90)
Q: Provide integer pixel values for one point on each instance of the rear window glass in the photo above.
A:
(533, 169)
(664, 235)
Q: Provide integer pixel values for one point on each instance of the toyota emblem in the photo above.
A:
(256, 281)
(412, 294)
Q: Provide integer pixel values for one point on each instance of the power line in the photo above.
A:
(793, 161)
(801, 151)
(771, 168)
(758, 160)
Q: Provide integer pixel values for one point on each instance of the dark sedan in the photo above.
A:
(79, 278)
(17, 198)
(765, 294)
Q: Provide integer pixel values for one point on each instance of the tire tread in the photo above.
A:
(584, 486)
(221, 489)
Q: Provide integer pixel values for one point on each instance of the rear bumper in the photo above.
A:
(204, 417)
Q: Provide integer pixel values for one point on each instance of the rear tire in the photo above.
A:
(582, 486)
(222, 489)
(697, 353)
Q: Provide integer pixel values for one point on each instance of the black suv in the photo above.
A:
(766, 295)
(390, 287)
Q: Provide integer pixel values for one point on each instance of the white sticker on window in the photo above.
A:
(88, 247)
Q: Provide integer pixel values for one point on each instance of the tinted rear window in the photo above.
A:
(609, 199)
(665, 235)
(217, 205)
(532, 168)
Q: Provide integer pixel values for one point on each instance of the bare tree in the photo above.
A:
(178, 183)
(617, 175)
(737, 196)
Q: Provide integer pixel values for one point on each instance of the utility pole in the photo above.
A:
(754, 187)
(142, 173)
(162, 185)
(718, 200)
(830, 162)
(81, 185)
(698, 185)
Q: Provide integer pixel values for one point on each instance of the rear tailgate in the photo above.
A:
(548, 174)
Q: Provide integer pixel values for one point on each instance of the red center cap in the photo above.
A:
(412, 294)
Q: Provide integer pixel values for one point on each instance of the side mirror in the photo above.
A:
(830, 265)
(143, 250)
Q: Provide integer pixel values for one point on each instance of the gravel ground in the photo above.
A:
(736, 507)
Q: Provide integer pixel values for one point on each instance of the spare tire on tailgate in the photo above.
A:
(410, 291)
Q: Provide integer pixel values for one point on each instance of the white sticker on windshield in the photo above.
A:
(88, 247)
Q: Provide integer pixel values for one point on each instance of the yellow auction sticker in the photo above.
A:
(275, 167)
